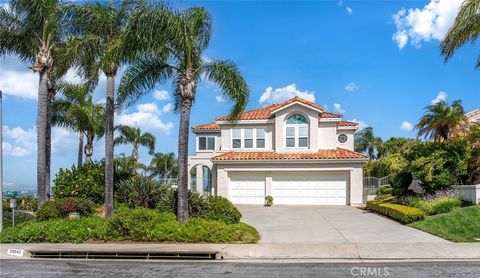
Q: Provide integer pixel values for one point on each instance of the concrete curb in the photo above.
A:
(360, 252)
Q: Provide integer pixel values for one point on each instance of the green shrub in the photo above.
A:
(167, 202)
(83, 181)
(220, 209)
(401, 213)
(400, 183)
(138, 191)
(435, 206)
(62, 207)
(385, 189)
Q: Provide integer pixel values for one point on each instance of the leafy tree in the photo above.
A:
(126, 167)
(77, 111)
(179, 57)
(34, 30)
(366, 141)
(100, 44)
(163, 165)
(442, 121)
(396, 145)
(466, 28)
(134, 136)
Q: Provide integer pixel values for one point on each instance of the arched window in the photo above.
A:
(296, 131)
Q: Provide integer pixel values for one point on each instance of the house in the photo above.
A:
(294, 151)
(473, 116)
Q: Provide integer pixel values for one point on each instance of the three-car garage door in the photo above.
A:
(322, 188)
(290, 188)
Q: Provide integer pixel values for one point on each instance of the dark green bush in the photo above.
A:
(220, 209)
(167, 202)
(84, 181)
(401, 213)
(385, 189)
(434, 206)
(138, 191)
(400, 183)
(62, 207)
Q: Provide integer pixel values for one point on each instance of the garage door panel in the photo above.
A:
(310, 188)
(247, 188)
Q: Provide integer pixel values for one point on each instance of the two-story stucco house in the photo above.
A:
(294, 151)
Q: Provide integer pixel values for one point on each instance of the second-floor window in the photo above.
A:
(296, 131)
(206, 143)
(248, 138)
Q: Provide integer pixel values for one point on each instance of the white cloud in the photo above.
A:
(63, 140)
(442, 96)
(422, 25)
(148, 108)
(167, 108)
(279, 95)
(72, 77)
(220, 98)
(338, 108)
(351, 87)
(10, 150)
(161, 95)
(22, 84)
(349, 10)
(361, 124)
(406, 126)
(145, 119)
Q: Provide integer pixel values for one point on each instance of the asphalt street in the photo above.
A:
(98, 269)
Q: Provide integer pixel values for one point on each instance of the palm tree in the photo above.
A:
(441, 121)
(33, 31)
(77, 112)
(163, 166)
(134, 136)
(466, 28)
(100, 45)
(365, 141)
(179, 58)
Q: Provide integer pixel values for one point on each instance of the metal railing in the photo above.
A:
(370, 186)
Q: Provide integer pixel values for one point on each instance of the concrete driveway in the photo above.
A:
(333, 224)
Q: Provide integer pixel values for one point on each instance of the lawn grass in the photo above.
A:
(460, 225)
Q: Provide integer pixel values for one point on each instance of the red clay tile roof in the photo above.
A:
(470, 115)
(265, 113)
(338, 153)
(210, 126)
(345, 123)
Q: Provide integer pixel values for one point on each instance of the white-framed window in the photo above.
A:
(342, 138)
(248, 138)
(296, 131)
(206, 143)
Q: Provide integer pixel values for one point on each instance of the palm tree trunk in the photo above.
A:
(80, 149)
(89, 149)
(109, 114)
(48, 144)
(135, 152)
(41, 137)
(182, 209)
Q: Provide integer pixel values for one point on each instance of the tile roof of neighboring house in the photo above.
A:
(473, 115)
(210, 126)
(265, 113)
(338, 153)
(345, 123)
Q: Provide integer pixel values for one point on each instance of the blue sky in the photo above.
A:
(377, 62)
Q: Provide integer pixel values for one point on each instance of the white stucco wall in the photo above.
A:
(327, 135)
(349, 145)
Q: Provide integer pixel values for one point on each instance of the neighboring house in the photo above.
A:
(473, 116)
(293, 151)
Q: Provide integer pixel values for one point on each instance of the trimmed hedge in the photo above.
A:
(62, 207)
(401, 213)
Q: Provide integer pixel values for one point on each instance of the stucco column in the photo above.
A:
(199, 179)
(223, 182)
(356, 186)
(268, 183)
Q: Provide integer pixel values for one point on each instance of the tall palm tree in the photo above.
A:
(100, 45)
(163, 165)
(33, 31)
(442, 121)
(179, 58)
(77, 112)
(367, 142)
(466, 28)
(135, 137)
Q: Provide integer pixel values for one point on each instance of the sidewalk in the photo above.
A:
(281, 252)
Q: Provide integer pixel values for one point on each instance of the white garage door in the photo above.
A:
(309, 188)
(247, 188)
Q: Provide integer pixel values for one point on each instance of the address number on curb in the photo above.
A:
(15, 252)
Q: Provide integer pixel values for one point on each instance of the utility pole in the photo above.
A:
(1, 163)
